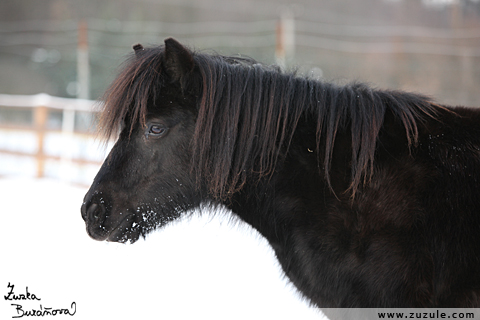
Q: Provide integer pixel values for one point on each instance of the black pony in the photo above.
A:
(369, 198)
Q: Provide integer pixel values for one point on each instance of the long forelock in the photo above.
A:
(127, 98)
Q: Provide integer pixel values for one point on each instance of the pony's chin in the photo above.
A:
(125, 231)
(122, 236)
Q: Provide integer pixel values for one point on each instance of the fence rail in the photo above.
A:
(53, 149)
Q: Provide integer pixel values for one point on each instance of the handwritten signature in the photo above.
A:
(35, 312)
(27, 296)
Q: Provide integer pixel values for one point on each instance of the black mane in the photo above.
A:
(245, 105)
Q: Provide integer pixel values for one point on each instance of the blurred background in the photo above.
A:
(58, 56)
(70, 49)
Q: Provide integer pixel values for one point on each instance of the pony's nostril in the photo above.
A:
(96, 213)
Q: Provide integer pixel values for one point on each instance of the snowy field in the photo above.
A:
(198, 268)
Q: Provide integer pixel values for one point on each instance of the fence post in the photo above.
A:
(285, 38)
(40, 119)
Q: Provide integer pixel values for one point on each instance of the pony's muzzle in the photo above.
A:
(94, 214)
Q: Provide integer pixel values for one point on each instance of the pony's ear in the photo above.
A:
(178, 60)
(138, 48)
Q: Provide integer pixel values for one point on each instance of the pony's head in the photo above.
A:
(146, 179)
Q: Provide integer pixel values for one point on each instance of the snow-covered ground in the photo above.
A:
(200, 268)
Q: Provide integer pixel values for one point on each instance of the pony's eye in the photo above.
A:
(157, 130)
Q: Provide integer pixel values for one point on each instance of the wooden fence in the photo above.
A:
(42, 106)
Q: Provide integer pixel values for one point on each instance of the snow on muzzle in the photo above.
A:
(102, 224)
